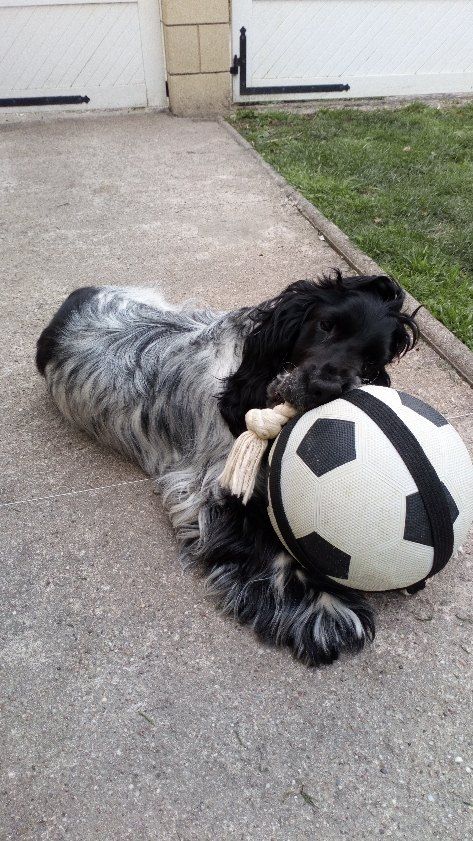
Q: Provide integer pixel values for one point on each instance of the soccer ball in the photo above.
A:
(373, 490)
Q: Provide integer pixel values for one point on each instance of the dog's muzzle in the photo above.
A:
(306, 388)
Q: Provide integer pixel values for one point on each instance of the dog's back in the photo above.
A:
(138, 373)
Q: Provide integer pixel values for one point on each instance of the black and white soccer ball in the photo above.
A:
(373, 490)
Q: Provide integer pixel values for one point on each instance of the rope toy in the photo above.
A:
(245, 457)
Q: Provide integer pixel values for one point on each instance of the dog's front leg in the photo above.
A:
(258, 584)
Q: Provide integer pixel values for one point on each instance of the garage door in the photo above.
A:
(302, 49)
(89, 54)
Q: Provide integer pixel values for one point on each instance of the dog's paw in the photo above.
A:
(334, 625)
(285, 611)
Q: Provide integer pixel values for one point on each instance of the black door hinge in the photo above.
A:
(239, 64)
(27, 101)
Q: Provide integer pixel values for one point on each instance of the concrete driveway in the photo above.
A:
(130, 708)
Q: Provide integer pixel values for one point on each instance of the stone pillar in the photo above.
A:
(197, 45)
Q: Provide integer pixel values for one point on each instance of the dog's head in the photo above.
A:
(336, 334)
(316, 340)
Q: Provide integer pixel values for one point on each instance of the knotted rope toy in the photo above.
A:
(245, 457)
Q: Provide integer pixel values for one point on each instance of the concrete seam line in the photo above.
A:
(439, 337)
(80, 492)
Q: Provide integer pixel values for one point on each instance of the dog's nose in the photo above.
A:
(322, 390)
(335, 373)
(307, 387)
(312, 387)
(327, 383)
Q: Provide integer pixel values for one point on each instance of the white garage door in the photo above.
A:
(109, 53)
(351, 48)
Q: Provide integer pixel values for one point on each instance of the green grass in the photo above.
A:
(399, 183)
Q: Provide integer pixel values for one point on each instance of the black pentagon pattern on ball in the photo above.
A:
(422, 409)
(328, 559)
(328, 444)
(417, 526)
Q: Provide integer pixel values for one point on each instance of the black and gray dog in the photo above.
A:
(169, 387)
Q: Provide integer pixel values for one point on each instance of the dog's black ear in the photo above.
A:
(406, 333)
(277, 323)
(276, 327)
(381, 285)
(404, 337)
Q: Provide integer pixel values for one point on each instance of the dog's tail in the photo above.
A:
(47, 344)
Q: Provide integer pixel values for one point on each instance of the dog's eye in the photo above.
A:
(326, 325)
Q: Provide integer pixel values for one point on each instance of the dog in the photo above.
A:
(169, 387)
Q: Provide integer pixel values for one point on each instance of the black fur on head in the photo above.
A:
(316, 340)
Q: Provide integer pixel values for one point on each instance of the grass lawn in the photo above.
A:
(399, 183)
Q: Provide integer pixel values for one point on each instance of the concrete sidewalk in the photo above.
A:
(130, 708)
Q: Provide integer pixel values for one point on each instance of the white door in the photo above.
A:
(106, 51)
(352, 48)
